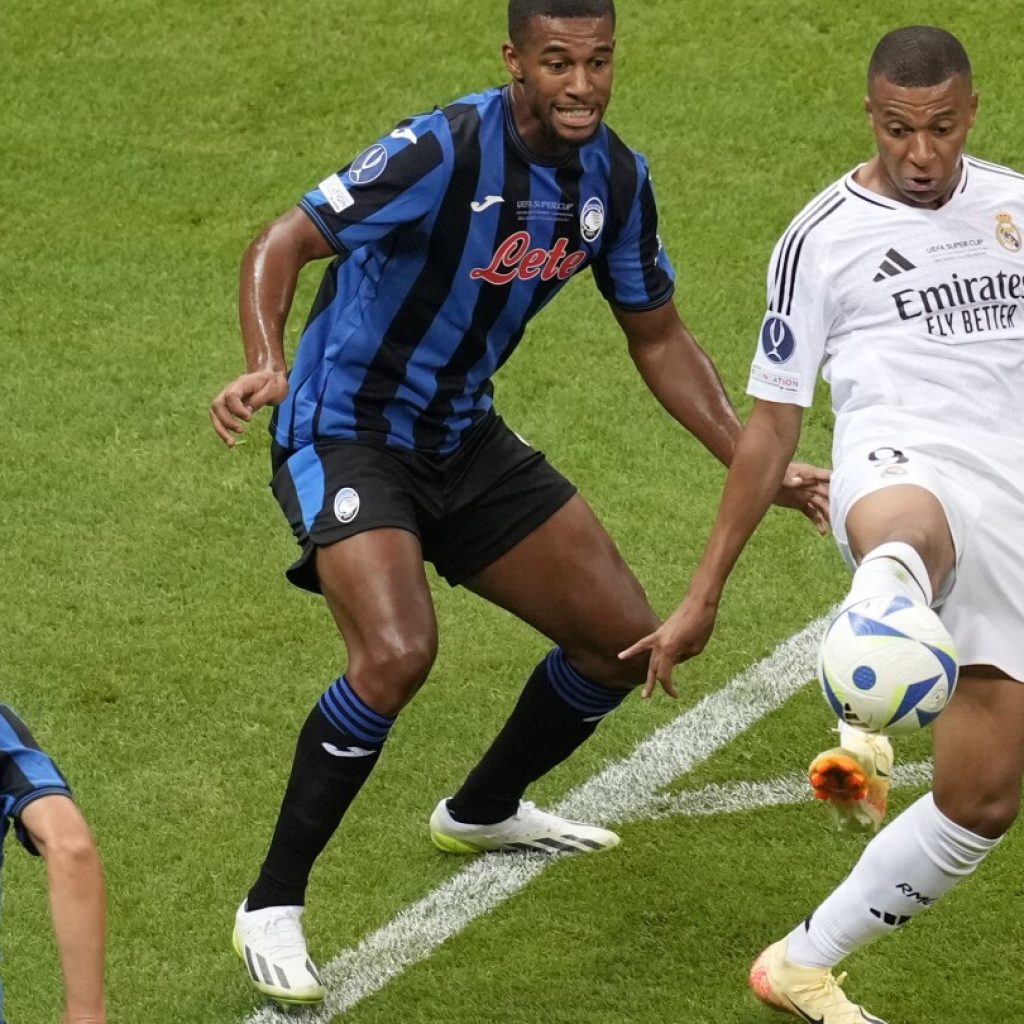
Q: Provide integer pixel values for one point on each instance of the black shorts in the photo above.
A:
(467, 508)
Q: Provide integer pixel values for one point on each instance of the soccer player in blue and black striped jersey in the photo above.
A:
(447, 236)
(36, 798)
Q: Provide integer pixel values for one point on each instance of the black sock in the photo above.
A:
(557, 710)
(337, 749)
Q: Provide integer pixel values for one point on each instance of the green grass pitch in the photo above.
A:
(149, 636)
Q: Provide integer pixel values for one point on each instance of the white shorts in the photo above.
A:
(983, 497)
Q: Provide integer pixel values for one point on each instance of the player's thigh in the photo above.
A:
(567, 579)
(376, 588)
(890, 494)
(979, 751)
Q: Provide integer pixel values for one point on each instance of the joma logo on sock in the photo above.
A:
(912, 894)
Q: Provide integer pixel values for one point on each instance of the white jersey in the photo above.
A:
(914, 315)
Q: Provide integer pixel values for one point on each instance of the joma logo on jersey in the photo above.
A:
(516, 259)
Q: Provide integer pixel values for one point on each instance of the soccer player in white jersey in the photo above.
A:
(904, 281)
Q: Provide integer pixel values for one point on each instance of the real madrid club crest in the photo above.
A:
(591, 219)
(1007, 233)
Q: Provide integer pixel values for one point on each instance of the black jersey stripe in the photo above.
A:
(622, 178)
(655, 279)
(994, 168)
(789, 284)
(789, 240)
(387, 370)
(431, 428)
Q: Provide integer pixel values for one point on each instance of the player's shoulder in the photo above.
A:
(824, 210)
(473, 107)
(450, 118)
(994, 175)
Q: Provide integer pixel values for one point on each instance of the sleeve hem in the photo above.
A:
(321, 225)
(646, 307)
(19, 828)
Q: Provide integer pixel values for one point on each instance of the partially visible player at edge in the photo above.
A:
(448, 235)
(36, 798)
(905, 280)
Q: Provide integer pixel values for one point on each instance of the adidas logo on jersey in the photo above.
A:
(893, 264)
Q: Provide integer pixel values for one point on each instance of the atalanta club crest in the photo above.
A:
(1007, 233)
(592, 219)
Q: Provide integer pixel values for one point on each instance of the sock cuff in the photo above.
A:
(576, 690)
(951, 847)
(908, 557)
(343, 708)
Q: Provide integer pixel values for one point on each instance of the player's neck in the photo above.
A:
(873, 177)
(531, 129)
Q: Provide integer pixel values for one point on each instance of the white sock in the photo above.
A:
(891, 569)
(911, 863)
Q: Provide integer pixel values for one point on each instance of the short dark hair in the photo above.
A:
(521, 11)
(918, 56)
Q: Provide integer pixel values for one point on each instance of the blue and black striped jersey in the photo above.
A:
(451, 235)
(26, 773)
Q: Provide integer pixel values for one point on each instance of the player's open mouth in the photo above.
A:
(576, 117)
(920, 184)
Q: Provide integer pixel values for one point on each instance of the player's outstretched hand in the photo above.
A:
(805, 488)
(682, 635)
(242, 397)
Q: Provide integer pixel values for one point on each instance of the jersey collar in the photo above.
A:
(891, 204)
(524, 151)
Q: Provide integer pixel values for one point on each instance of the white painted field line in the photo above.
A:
(625, 791)
(734, 797)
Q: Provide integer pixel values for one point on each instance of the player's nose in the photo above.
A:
(577, 84)
(921, 150)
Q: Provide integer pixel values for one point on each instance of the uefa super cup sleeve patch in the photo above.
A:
(777, 340)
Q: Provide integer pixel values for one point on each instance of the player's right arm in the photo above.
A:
(269, 274)
(393, 183)
(759, 464)
(791, 346)
(77, 901)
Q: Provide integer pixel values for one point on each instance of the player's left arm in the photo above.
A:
(77, 901)
(684, 380)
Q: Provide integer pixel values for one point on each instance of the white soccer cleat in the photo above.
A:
(529, 829)
(854, 778)
(271, 943)
(810, 993)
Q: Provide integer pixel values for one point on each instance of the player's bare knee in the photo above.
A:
(392, 669)
(602, 665)
(986, 814)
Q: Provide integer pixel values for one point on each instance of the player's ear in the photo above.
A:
(974, 109)
(512, 61)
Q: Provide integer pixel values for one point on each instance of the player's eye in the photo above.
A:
(942, 129)
(556, 65)
(897, 131)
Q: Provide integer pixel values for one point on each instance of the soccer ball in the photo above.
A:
(887, 665)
